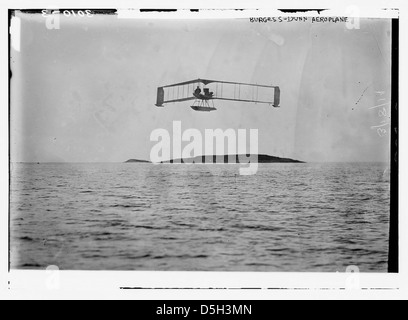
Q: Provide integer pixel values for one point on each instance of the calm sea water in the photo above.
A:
(288, 217)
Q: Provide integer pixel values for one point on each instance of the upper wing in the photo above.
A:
(240, 84)
(207, 82)
(197, 81)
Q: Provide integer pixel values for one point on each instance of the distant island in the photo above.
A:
(137, 161)
(262, 158)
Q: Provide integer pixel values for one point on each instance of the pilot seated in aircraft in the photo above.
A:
(198, 90)
(207, 93)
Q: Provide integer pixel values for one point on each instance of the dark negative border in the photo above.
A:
(10, 15)
(393, 258)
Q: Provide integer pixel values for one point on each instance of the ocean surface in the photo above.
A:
(286, 218)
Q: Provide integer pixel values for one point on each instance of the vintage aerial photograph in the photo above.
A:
(245, 144)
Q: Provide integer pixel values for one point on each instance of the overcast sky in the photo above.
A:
(86, 92)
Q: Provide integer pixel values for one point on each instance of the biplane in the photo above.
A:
(204, 92)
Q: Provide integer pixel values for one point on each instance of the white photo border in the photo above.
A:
(208, 285)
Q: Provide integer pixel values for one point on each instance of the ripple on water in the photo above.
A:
(288, 217)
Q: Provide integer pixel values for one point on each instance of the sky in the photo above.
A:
(86, 92)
